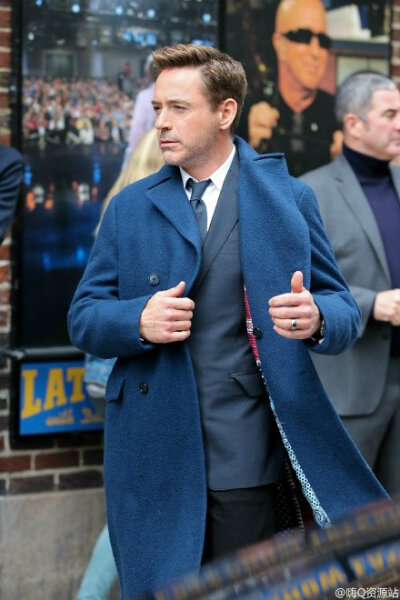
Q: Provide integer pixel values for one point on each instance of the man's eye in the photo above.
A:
(156, 108)
(179, 107)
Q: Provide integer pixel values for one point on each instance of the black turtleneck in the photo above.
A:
(375, 178)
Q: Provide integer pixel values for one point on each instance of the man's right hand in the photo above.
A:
(387, 306)
(167, 317)
(261, 121)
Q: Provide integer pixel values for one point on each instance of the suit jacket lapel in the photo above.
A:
(396, 179)
(359, 205)
(224, 219)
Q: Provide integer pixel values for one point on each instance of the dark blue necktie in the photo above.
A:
(199, 208)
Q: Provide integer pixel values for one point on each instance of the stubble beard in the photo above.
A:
(189, 158)
(179, 161)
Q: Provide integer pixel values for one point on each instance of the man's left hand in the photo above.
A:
(295, 315)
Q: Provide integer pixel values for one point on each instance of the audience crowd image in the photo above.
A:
(78, 111)
(75, 132)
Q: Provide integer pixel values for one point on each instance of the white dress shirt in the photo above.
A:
(213, 190)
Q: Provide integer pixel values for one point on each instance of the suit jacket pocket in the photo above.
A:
(251, 382)
(114, 387)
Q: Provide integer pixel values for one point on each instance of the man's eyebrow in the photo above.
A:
(172, 101)
(390, 111)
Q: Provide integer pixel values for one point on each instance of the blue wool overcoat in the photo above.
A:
(154, 457)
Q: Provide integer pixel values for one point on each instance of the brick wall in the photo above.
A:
(5, 272)
(5, 62)
(56, 463)
(395, 59)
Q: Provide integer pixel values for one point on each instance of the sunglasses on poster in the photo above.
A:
(304, 36)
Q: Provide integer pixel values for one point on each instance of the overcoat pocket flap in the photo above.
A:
(251, 382)
(114, 386)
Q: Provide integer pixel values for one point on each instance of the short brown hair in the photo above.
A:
(223, 76)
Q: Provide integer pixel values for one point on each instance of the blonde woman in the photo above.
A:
(101, 571)
(145, 160)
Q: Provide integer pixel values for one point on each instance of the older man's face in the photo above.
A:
(379, 132)
(304, 63)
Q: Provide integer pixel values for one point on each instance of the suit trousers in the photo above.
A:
(238, 518)
(377, 435)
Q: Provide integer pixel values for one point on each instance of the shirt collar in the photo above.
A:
(218, 177)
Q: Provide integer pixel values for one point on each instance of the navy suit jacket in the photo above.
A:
(11, 172)
(154, 455)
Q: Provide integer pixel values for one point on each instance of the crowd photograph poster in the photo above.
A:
(83, 64)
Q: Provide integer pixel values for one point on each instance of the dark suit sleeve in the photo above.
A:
(99, 322)
(10, 181)
(328, 286)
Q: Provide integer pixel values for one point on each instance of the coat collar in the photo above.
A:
(357, 202)
(268, 210)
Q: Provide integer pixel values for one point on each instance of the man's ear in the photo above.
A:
(227, 113)
(353, 125)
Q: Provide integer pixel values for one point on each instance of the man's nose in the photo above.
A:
(162, 120)
(397, 121)
(315, 45)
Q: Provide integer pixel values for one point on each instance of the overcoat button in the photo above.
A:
(257, 333)
(144, 387)
(154, 279)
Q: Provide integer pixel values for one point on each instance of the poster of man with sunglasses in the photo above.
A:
(286, 109)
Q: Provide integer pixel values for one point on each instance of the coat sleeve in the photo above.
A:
(99, 322)
(331, 293)
(10, 182)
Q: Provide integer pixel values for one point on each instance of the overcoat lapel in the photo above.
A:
(267, 206)
(224, 220)
(309, 426)
(357, 202)
(169, 198)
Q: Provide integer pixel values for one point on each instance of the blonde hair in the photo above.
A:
(145, 160)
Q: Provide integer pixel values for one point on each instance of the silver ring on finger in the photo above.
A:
(293, 325)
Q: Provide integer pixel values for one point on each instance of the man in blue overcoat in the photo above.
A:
(211, 281)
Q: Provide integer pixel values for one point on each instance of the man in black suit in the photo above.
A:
(292, 115)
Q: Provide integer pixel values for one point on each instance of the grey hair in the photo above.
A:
(355, 93)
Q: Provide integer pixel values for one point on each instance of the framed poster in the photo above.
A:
(83, 64)
(295, 55)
